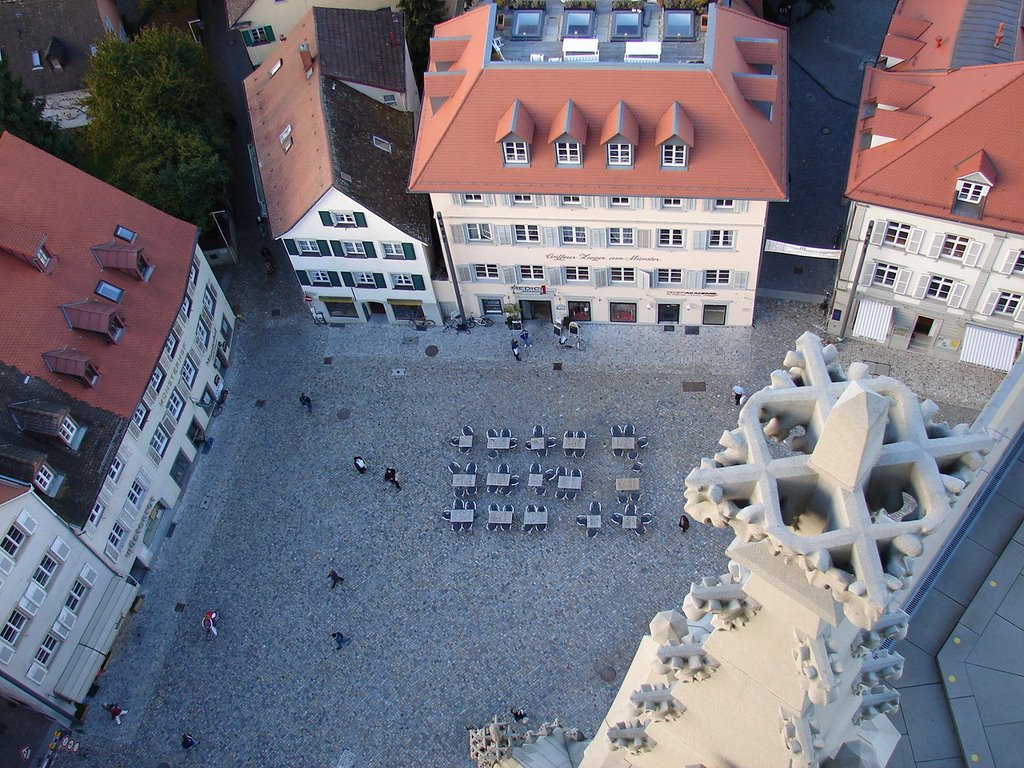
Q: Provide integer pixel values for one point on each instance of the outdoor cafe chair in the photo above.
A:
(467, 431)
(581, 520)
(454, 441)
(492, 433)
(552, 442)
(639, 530)
(504, 469)
(618, 452)
(460, 492)
(634, 495)
(617, 517)
(535, 468)
(642, 442)
(454, 467)
(592, 532)
(628, 430)
(446, 514)
(471, 490)
(622, 497)
(538, 430)
(570, 495)
(646, 518)
(506, 432)
(631, 509)
(513, 481)
(551, 473)
(492, 454)
(472, 468)
(560, 493)
(513, 443)
(633, 455)
(616, 430)
(637, 467)
(595, 507)
(575, 472)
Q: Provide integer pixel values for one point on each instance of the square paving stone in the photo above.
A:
(1000, 697)
(929, 725)
(933, 622)
(1012, 607)
(997, 523)
(1007, 745)
(966, 573)
(1001, 646)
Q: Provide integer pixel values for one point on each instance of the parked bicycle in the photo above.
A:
(473, 322)
(571, 340)
(421, 323)
(456, 324)
(219, 405)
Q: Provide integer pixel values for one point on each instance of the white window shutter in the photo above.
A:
(554, 275)
(33, 598)
(990, 303)
(689, 204)
(89, 574)
(587, 201)
(1009, 262)
(956, 296)
(59, 629)
(643, 238)
(922, 286)
(488, 199)
(936, 248)
(508, 275)
(26, 521)
(502, 234)
(465, 273)
(456, 199)
(554, 199)
(6, 653)
(67, 618)
(549, 236)
(1019, 316)
(700, 239)
(915, 240)
(739, 279)
(659, 203)
(6, 564)
(637, 203)
(973, 254)
(506, 200)
(458, 233)
(694, 278)
(36, 673)
(867, 274)
(60, 548)
(741, 206)
(645, 278)
(597, 237)
(878, 232)
(902, 280)
(708, 205)
(600, 278)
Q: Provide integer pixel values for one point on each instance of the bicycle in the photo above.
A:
(473, 322)
(421, 323)
(219, 405)
(571, 341)
(456, 324)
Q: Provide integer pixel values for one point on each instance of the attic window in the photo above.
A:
(277, 66)
(37, 60)
(380, 143)
(44, 480)
(286, 138)
(971, 191)
(70, 432)
(123, 233)
(109, 291)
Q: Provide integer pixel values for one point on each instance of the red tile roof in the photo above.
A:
(893, 124)
(75, 211)
(9, 490)
(898, 92)
(737, 151)
(966, 112)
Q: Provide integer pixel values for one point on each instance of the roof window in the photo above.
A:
(109, 291)
(285, 138)
(380, 143)
(37, 60)
(123, 233)
(276, 68)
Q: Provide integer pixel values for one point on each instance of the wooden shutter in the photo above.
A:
(335, 279)
(369, 249)
(456, 199)
(291, 247)
(247, 37)
(378, 278)
(956, 296)
(689, 204)
(1009, 262)
(739, 280)
(936, 248)
(643, 238)
(325, 249)
(902, 280)
(878, 232)
(549, 236)
(488, 199)
(741, 206)
(337, 248)
(693, 278)
(867, 273)
(922, 286)
(700, 240)
(990, 303)
(707, 205)
(348, 280)
(458, 233)
(417, 283)
(302, 276)
(915, 240)
(645, 278)
(506, 200)
(501, 234)
(409, 251)
(464, 273)
(973, 255)
(326, 219)
(508, 275)
(601, 277)
(554, 275)
(597, 237)
(269, 32)
(360, 218)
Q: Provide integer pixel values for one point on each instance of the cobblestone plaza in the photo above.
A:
(447, 629)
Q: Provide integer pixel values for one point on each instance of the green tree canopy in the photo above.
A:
(21, 113)
(157, 122)
(420, 18)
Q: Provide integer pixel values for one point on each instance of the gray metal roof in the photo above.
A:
(975, 41)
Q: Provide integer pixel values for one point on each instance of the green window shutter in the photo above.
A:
(325, 218)
(417, 283)
(371, 252)
(337, 249)
(335, 279)
(291, 247)
(346, 278)
(303, 277)
(269, 32)
(378, 278)
(325, 249)
(409, 250)
(247, 37)
(360, 219)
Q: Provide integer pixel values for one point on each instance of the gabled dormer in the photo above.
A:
(52, 420)
(31, 467)
(25, 244)
(675, 138)
(124, 253)
(74, 364)
(569, 135)
(620, 135)
(515, 135)
(90, 315)
(975, 178)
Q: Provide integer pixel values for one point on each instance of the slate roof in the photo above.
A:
(737, 151)
(84, 469)
(331, 130)
(366, 47)
(73, 211)
(30, 25)
(235, 8)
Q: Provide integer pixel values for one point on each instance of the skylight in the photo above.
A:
(380, 143)
(123, 233)
(109, 291)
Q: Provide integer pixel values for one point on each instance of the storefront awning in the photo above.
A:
(992, 349)
(874, 320)
(402, 303)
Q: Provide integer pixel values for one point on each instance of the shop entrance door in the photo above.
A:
(536, 310)
(668, 313)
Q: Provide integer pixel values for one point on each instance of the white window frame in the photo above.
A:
(203, 333)
(402, 280)
(44, 572)
(44, 478)
(381, 144)
(717, 277)
(572, 199)
(954, 247)
(13, 628)
(885, 274)
(175, 405)
(971, 191)
(620, 154)
(570, 235)
(307, 246)
(674, 155)
(319, 277)
(392, 250)
(160, 440)
(140, 415)
(939, 288)
(531, 272)
(171, 345)
(193, 272)
(76, 596)
(116, 536)
(619, 201)
(364, 279)
(68, 428)
(339, 219)
(896, 234)
(11, 544)
(671, 238)
(724, 204)
(1018, 264)
(670, 276)
(96, 513)
(515, 152)
(259, 35)
(116, 469)
(156, 380)
(189, 372)
(621, 236)
(486, 272)
(568, 153)
(353, 249)
(473, 198)
(209, 300)
(526, 233)
(671, 202)
(186, 308)
(47, 650)
(522, 199)
(721, 238)
(136, 493)
(574, 274)
(622, 274)
(1007, 303)
(478, 233)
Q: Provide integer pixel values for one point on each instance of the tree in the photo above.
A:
(420, 18)
(21, 113)
(157, 122)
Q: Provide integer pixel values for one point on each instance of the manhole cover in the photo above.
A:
(328, 360)
(275, 313)
(607, 674)
(668, 327)
(695, 386)
(692, 330)
(343, 413)
(826, 130)
(557, 366)
(260, 403)
(179, 607)
(432, 351)
(398, 371)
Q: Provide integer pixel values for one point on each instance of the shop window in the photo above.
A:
(579, 311)
(621, 312)
(714, 314)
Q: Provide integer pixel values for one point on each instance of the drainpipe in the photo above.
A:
(855, 280)
(451, 266)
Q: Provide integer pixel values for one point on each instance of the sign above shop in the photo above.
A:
(691, 293)
(529, 290)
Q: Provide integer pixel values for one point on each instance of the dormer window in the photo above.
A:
(515, 152)
(68, 430)
(674, 155)
(286, 138)
(42, 258)
(44, 478)
(620, 155)
(72, 364)
(127, 257)
(568, 153)
(971, 192)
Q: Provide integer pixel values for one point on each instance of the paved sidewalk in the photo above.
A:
(447, 629)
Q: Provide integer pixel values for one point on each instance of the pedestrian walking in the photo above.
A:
(307, 401)
(519, 715)
(335, 578)
(341, 640)
(515, 350)
(360, 465)
(209, 623)
(739, 393)
(115, 712)
(684, 523)
(391, 476)
(525, 336)
(188, 741)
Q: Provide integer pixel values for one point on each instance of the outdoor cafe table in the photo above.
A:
(593, 521)
(535, 481)
(463, 480)
(500, 480)
(623, 443)
(629, 522)
(627, 484)
(574, 443)
(465, 441)
(569, 482)
(536, 443)
(499, 443)
(461, 516)
(500, 516)
(535, 517)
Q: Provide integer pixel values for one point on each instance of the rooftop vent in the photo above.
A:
(74, 364)
(96, 316)
(127, 258)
